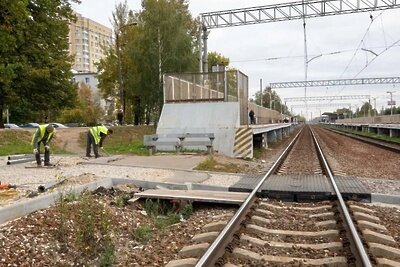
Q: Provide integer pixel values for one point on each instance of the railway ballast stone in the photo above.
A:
(325, 215)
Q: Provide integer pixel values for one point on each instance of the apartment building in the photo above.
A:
(87, 40)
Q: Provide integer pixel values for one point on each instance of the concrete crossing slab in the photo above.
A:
(303, 187)
(195, 195)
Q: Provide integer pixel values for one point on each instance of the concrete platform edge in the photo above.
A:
(387, 199)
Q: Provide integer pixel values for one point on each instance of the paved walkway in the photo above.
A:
(176, 162)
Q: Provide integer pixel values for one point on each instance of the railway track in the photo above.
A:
(265, 232)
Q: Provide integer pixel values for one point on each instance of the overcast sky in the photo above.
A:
(251, 49)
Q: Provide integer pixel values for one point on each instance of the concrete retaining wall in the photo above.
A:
(220, 118)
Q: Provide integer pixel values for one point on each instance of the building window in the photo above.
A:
(87, 80)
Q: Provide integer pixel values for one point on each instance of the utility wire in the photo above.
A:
(290, 57)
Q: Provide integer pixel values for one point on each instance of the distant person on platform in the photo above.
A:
(120, 116)
(95, 138)
(43, 135)
(252, 118)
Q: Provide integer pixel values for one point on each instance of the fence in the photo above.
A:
(265, 115)
(225, 86)
(377, 119)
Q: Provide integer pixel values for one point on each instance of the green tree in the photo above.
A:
(13, 21)
(168, 44)
(365, 110)
(271, 100)
(215, 59)
(87, 110)
(159, 39)
(347, 113)
(37, 76)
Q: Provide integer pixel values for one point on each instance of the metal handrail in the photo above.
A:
(218, 246)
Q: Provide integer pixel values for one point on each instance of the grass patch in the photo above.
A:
(210, 164)
(142, 233)
(258, 152)
(164, 213)
(14, 142)
(124, 140)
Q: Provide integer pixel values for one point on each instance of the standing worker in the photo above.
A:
(95, 138)
(120, 116)
(252, 118)
(43, 135)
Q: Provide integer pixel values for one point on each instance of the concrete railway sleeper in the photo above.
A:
(295, 234)
(265, 232)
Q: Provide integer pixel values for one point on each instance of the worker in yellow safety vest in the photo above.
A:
(95, 138)
(43, 135)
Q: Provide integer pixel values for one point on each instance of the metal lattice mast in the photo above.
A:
(292, 11)
(286, 11)
(326, 98)
(337, 82)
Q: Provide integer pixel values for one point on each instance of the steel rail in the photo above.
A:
(217, 248)
(394, 147)
(362, 254)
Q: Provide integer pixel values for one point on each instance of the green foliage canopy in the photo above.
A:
(160, 38)
(35, 76)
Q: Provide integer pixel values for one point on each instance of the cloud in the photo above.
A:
(284, 40)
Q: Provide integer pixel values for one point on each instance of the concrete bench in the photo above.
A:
(201, 139)
(179, 141)
(152, 141)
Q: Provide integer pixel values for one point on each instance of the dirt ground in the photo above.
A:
(68, 139)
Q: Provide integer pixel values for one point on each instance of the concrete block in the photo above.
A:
(190, 262)
(205, 237)
(383, 251)
(374, 237)
(261, 230)
(263, 212)
(383, 262)
(332, 261)
(332, 246)
(215, 226)
(260, 220)
(372, 226)
(268, 205)
(329, 223)
(366, 217)
(194, 251)
(356, 208)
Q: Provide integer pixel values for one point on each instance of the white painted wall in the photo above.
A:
(221, 118)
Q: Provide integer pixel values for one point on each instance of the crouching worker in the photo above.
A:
(95, 138)
(43, 135)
